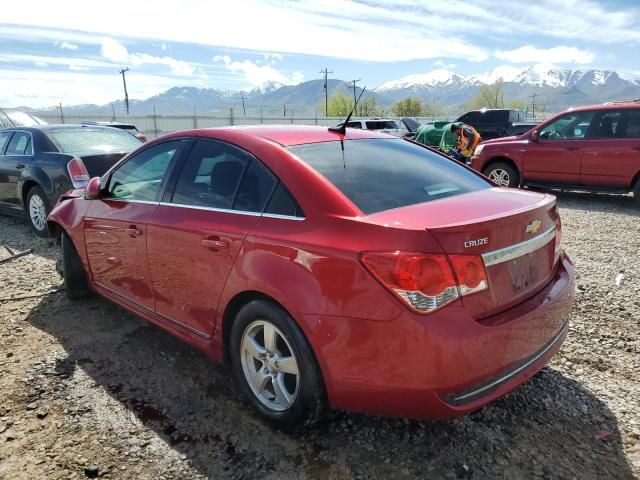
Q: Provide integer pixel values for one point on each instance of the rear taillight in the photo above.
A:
(427, 282)
(78, 173)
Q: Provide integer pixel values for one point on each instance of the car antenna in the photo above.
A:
(342, 130)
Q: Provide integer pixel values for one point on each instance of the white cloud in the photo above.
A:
(68, 46)
(40, 63)
(530, 54)
(116, 52)
(258, 74)
(78, 68)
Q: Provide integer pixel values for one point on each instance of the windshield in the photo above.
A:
(381, 174)
(86, 140)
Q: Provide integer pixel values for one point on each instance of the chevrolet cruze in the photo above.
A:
(348, 270)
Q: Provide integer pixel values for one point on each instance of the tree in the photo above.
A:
(432, 109)
(339, 105)
(367, 107)
(408, 107)
(517, 104)
(488, 96)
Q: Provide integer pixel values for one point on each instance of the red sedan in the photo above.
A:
(358, 271)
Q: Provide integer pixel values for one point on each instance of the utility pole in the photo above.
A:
(113, 109)
(61, 113)
(326, 91)
(124, 82)
(533, 105)
(353, 82)
(244, 112)
(284, 110)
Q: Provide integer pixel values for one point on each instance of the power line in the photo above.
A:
(326, 91)
(124, 82)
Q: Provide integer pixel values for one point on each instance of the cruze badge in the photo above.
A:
(476, 243)
(533, 227)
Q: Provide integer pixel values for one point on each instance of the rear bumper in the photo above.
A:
(444, 364)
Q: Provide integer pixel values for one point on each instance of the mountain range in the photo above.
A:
(557, 88)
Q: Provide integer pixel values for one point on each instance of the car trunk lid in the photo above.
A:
(98, 163)
(513, 231)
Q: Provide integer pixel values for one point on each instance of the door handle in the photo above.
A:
(572, 148)
(133, 232)
(214, 243)
(20, 166)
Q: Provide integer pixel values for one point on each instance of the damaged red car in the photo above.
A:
(348, 270)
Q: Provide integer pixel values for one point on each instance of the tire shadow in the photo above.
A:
(545, 428)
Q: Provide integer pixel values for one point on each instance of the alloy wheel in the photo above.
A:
(269, 365)
(37, 212)
(500, 176)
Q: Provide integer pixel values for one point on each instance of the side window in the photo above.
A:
(354, 125)
(608, 125)
(282, 203)
(211, 175)
(140, 177)
(632, 127)
(4, 138)
(20, 144)
(572, 126)
(255, 188)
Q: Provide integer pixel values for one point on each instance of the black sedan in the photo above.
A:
(38, 164)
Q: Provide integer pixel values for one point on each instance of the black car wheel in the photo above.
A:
(75, 278)
(274, 366)
(503, 174)
(37, 208)
(636, 192)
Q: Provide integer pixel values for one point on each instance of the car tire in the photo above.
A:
(37, 208)
(282, 380)
(503, 174)
(636, 193)
(73, 273)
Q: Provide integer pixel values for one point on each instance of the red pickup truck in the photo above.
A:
(593, 148)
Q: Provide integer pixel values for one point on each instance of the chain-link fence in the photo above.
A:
(155, 125)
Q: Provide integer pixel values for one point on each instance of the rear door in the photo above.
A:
(197, 232)
(116, 224)
(4, 169)
(611, 155)
(556, 157)
(17, 157)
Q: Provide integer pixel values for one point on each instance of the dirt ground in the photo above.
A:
(88, 390)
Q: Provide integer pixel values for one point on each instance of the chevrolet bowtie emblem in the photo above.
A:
(533, 227)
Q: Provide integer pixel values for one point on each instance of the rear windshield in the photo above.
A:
(381, 125)
(85, 140)
(381, 174)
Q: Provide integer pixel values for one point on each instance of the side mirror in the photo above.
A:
(535, 136)
(92, 191)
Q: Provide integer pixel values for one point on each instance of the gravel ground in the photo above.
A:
(88, 390)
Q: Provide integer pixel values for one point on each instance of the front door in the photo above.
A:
(116, 224)
(16, 158)
(611, 155)
(195, 235)
(555, 158)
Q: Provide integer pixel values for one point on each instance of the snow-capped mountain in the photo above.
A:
(558, 88)
(540, 75)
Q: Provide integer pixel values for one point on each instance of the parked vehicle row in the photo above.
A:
(40, 163)
(594, 148)
(346, 269)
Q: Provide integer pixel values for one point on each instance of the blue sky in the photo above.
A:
(70, 51)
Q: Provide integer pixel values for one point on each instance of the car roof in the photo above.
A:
(287, 135)
(109, 124)
(606, 106)
(59, 127)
